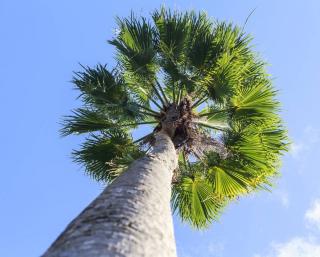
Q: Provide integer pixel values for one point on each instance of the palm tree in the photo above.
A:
(212, 133)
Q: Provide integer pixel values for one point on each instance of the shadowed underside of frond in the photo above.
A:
(200, 81)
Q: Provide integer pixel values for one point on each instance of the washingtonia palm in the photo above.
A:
(214, 133)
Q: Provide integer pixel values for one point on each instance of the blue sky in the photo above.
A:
(41, 190)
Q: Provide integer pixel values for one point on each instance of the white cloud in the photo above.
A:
(284, 198)
(310, 136)
(215, 249)
(312, 215)
(281, 196)
(309, 245)
(296, 247)
(300, 246)
(296, 149)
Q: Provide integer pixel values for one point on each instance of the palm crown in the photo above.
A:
(205, 78)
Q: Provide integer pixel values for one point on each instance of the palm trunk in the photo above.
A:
(131, 217)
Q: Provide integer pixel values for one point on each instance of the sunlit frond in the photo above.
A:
(136, 48)
(255, 102)
(195, 201)
(214, 118)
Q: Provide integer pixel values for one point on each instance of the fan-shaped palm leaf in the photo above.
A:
(103, 156)
(196, 202)
(204, 79)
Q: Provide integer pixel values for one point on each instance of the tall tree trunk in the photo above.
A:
(131, 217)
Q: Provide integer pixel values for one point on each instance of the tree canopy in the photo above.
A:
(229, 135)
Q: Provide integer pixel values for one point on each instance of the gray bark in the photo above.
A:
(131, 217)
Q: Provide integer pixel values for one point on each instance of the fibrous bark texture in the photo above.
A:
(131, 217)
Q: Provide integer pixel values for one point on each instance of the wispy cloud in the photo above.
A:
(215, 249)
(284, 198)
(312, 215)
(310, 136)
(296, 149)
(280, 196)
(308, 246)
(295, 247)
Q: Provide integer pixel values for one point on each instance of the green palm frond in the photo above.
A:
(231, 56)
(136, 48)
(259, 146)
(175, 37)
(173, 30)
(195, 201)
(108, 93)
(83, 121)
(215, 112)
(221, 81)
(274, 137)
(121, 163)
(214, 118)
(248, 149)
(201, 51)
(99, 86)
(104, 156)
(234, 176)
(255, 102)
(227, 183)
(212, 125)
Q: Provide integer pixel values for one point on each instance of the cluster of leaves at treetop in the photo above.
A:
(161, 61)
